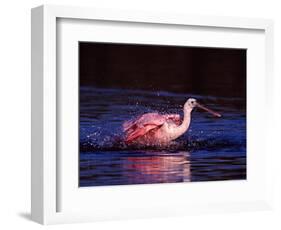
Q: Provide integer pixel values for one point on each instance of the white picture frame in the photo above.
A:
(46, 181)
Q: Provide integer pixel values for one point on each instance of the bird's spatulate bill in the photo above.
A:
(208, 110)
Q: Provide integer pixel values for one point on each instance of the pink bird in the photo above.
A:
(158, 129)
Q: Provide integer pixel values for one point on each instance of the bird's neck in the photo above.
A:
(181, 129)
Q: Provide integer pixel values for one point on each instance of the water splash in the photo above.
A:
(97, 141)
(102, 112)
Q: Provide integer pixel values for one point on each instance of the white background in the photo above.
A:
(15, 113)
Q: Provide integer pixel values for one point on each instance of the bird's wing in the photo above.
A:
(145, 119)
(142, 125)
(174, 117)
(139, 132)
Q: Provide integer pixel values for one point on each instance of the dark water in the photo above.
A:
(212, 149)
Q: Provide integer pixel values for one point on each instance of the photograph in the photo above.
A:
(154, 113)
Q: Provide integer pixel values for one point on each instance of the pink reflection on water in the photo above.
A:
(159, 169)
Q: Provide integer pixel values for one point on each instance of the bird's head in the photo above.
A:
(191, 103)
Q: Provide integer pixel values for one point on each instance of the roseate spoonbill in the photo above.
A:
(158, 129)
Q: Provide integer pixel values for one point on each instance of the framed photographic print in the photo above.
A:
(138, 114)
